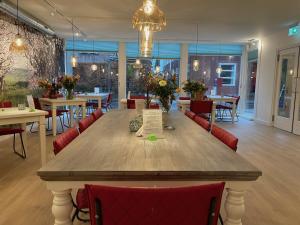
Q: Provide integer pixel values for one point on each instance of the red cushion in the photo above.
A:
(227, 138)
(190, 114)
(154, 106)
(202, 122)
(82, 199)
(184, 98)
(155, 206)
(137, 97)
(5, 104)
(64, 139)
(130, 104)
(85, 123)
(201, 106)
(10, 130)
(97, 114)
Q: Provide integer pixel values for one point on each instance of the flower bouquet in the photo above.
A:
(69, 83)
(196, 89)
(46, 86)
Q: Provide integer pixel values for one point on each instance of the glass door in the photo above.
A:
(250, 91)
(286, 88)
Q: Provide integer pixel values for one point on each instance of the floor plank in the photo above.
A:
(273, 200)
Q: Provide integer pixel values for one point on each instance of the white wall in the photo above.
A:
(267, 73)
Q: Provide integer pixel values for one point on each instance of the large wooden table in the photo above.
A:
(54, 103)
(182, 105)
(14, 116)
(108, 154)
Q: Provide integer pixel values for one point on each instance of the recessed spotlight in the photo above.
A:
(52, 13)
(77, 34)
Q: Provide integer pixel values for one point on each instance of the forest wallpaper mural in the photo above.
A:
(20, 72)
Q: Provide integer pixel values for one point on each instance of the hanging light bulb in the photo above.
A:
(18, 44)
(74, 61)
(146, 42)
(94, 67)
(219, 70)
(196, 65)
(157, 69)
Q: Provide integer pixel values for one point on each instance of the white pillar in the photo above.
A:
(122, 71)
(184, 57)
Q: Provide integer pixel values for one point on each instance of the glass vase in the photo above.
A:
(70, 94)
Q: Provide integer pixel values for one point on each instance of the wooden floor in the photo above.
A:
(273, 200)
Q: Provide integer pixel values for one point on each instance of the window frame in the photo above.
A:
(233, 72)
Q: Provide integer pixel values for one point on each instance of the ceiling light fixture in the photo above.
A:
(19, 44)
(219, 69)
(94, 67)
(148, 19)
(196, 63)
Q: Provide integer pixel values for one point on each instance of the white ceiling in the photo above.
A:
(219, 20)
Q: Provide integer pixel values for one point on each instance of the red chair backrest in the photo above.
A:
(6, 104)
(155, 206)
(226, 137)
(130, 104)
(64, 139)
(184, 98)
(97, 114)
(201, 106)
(85, 123)
(154, 106)
(37, 104)
(190, 114)
(202, 122)
(109, 97)
(137, 97)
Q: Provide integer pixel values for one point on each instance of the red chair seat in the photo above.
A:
(137, 97)
(64, 139)
(190, 114)
(202, 122)
(10, 130)
(226, 137)
(130, 104)
(97, 114)
(154, 106)
(184, 98)
(85, 123)
(5, 104)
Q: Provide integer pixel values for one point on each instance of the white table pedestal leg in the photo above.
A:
(234, 206)
(62, 207)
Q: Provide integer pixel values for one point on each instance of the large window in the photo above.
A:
(228, 73)
(105, 77)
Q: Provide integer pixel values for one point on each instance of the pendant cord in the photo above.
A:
(18, 24)
(73, 37)
(197, 40)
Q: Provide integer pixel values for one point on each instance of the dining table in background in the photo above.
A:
(183, 105)
(10, 116)
(71, 103)
(186, 156)
(94, 96)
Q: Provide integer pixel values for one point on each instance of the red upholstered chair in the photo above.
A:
(226, 137)
(107, 104)
(202, 122)
(228, 106)
(202, 108)
(198, 205)
(154, 106)
(64, 139)
(58, 145)
(13, 131)
(184, 98)
(85, 123)
(37, 105)
(97, 114)
(190, 114)
(130, 104)
(137, 97)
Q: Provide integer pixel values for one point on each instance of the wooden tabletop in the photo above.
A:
(62, 100)
(107, 151)
(14, 112)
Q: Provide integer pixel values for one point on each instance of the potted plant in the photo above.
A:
(196, 89)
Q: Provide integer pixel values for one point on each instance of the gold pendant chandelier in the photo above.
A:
(148, 19)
